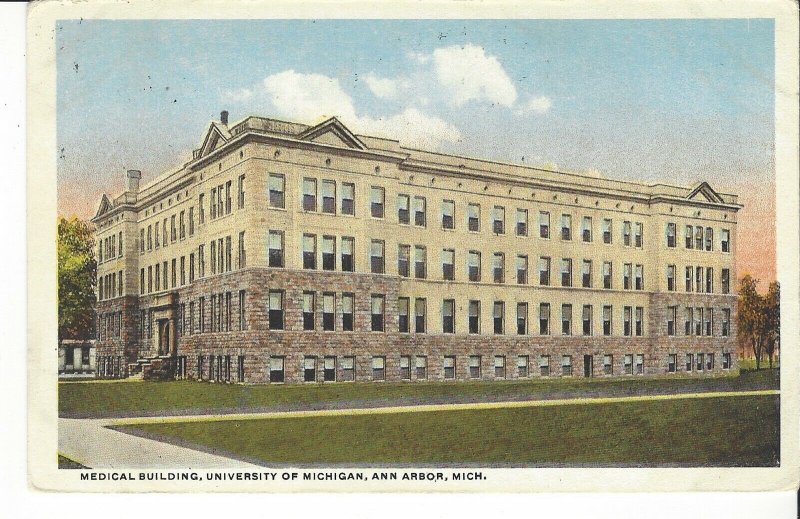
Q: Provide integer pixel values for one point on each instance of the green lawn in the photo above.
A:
(120, 398)
(740, 431)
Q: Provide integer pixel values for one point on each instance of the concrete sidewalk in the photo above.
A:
(93, 444)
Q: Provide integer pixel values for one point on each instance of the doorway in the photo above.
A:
(588, 366)
(164, 338)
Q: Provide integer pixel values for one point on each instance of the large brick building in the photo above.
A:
(284, 252)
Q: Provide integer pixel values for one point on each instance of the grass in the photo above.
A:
(749, 364)
(124, 398)
(741, 431)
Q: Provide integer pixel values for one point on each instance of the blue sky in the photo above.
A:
(670, 100)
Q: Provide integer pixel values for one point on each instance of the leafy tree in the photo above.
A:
(77, 273)
(772, 310)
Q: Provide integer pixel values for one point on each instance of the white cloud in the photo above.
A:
(237, 96)
(383, 88)
(309, 98)
(468, 73)
(537, 104)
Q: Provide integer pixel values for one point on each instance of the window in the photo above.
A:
(700, 361)
(448, 313)
(419, 211)
(402, 314)
(474, 265)
(348, 198)
(449, 366)
(672, 317)
(498, 315)
(228, 197)
(448, 212)
(544, 224)
(522, 366)
(627, 272)
(328, 311)
(240, 197)
(709, 361)
(421, 363)
(626, 321)
(498, 267)
(639, 364)
(607, 320)
(566, 227)
(150, 237)
(309, 251)
(329, 196)
(276, 191)
(309, 194)
(689, 234)
(566, 365)
(671, 278)
(404, 209)
(275, 310)
(725, 240)
(709, 322)
(276, 372)
(698, 323)
(628, 364)
(544, 319)
(544, 271)
(607, 275)
(726, 360)
(242, 253)
(608, 229)
(174, 272)
(347, 312)
(698, 238)
(566, 319)
(347, 254)
(475, 366)
(213, 203)
(242, 315)
(639, 323)
(587, 319)
(376, 256)
(638, 231)
(377, 309)
(709, 239)
(688, 314)
(474, 316)
(182, 225)
(586, 274)
(141, 242)
(522, 318)
(328, 253)
(448, 264)
(586, 229)
(348, 365)
(405, 367)
(522, 269)
(608, 364)
(689, 362)
(419, 315)
(183, 270)
(420, 262)
(158, 277)
(522, 222)
(474, 217)
(172, 230)
(725, 279)
(191, 267)
(689, 278)
(709, 280)
(310, 369)
(201, 214)
(308, 311)
(141, 280)
(626, 233)
(164, 228)
(726, 322)
(499, 220)
(201, 258)
(639, 279)
(275, 249)
(378, 368)
(672, 363)
(403, 260)
(698, 279)
(671, 231)
(566, 272)
(544, 365)
(499, 366)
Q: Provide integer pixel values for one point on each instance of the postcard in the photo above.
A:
(438, 247)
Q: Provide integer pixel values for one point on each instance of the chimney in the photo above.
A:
(132, 180)
(223, 117)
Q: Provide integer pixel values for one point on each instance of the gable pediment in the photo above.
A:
(333, 133)
(105, 206)
(215, 137)
(705, 193)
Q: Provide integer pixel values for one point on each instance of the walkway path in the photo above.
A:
(92, 443)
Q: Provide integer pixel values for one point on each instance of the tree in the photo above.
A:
(77, 273)
(751, 322)
(772, 316)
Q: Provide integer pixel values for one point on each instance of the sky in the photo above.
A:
(677, 101)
